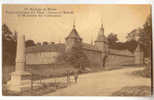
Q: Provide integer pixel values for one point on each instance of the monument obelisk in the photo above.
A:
(19, 79)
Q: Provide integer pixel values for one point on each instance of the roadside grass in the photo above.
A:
(38, 72)
(133, 91)
(116, 67)
(146, 72)
(6, 72)
(37, 90)
(51, 71)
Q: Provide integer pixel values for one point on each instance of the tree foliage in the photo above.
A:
(38, 43)
(114, 43)
(8, 45)
(75, 57)
(45, 43)
(112, 38)
(30, 43)
(146, 37)
(131, 45)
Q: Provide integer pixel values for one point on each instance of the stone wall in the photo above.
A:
(35, 58)
(41, 57)
(94, 57)
(116, 60)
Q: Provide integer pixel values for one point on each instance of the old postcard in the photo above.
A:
(76, 50)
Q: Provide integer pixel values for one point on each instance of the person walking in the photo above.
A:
(76, 77)
(68, 78)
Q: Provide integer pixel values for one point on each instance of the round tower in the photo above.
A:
(101, 41)
(73, 40)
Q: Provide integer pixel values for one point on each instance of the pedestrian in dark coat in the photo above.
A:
(68, 77)
(76, 77)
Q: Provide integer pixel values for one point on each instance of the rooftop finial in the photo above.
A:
(101, 23)
(73, 23)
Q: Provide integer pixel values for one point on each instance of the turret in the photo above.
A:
(73, 39)
(101, 41)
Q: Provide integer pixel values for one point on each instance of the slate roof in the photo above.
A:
(73, 34)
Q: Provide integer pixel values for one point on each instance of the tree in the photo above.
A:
(141, 36)
(9, 46)
(38, 43)
(45, 43)
(30, 43)
(112, 38)
(6, 30)
(145, 37)
(131, 45)
(133, 34)
(113, 42)
(75, 57)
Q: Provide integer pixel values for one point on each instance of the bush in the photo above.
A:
(36, 91)
(146, 72)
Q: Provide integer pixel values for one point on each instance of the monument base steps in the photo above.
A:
(19, 81)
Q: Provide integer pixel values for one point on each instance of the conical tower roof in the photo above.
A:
(101, 37)
(73, 34)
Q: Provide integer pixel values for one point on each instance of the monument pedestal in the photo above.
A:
(19, 81)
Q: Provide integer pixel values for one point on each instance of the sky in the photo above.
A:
(118, 19)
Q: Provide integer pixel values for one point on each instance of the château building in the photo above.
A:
(99, 54)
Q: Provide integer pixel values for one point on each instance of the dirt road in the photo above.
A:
(103, 83)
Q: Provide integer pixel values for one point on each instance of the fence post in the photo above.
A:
(31, 82)
(40, 79)
(55, 77)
